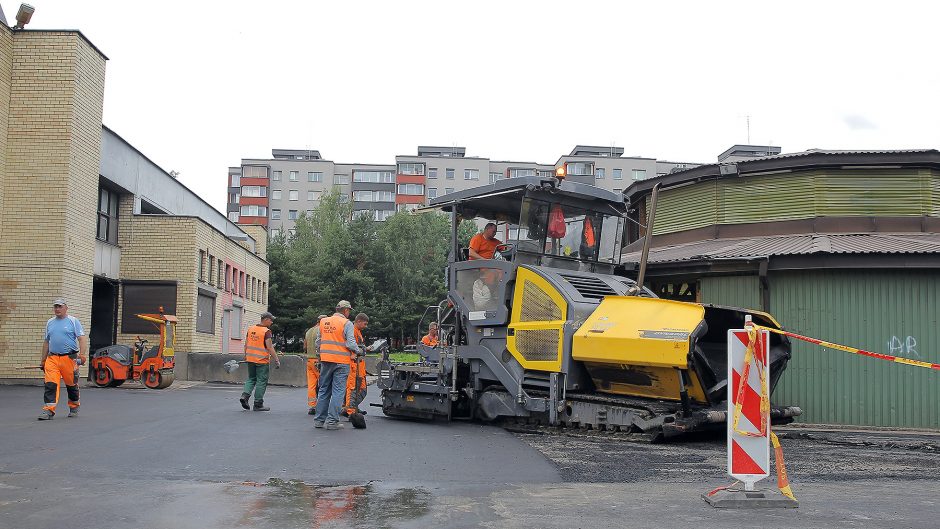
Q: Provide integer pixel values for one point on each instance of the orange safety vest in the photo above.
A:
(333, 341)
(428, 341)
(255, 351)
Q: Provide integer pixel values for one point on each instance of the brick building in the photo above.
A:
(88, 217)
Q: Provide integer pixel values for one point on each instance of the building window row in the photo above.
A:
(411, 189)
(494, 177)
(373, 196)
(254, 171)
(254, 211)
(254, 191)
(375, 177)
(314, 176)
(515, 173)
(214, 272)
(411, 168)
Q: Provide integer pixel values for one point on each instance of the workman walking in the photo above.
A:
(64, 348)
(356, 384)
(313, 364)
(259, 349)
(337, 345)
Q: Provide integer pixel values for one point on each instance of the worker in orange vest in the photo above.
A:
(259, 349)
(430, 339)
(313, 364)
(337, 346)
(356, 384)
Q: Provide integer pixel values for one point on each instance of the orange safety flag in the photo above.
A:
(588, 232)
(556, 223)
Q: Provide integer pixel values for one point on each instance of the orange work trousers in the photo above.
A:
(313, 378)
(354, 396)
(60, 367)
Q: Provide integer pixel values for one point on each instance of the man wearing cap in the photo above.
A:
(313, 364)
(337, 346)
(259, 349)
(64, 348)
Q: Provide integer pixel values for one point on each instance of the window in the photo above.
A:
(314, 195)
(211, 270)
(254, 211)
(107, 215)
(411, 168)
(233, 198)
(254, 171)
(618, 191)
(293, 176)
(275, 214)
(293, 194)
(228, 278)
(343, 198)
(341, 179)
(275, 194)
(264, 292)
(375, 177)
(382, 214)
(313, 176)
(432, 172)
(220, 279)
(362, 196)
(235, 323)
(202, 266)
(292, 214)
(599, 173)
(254, 191)
(471, 174)
(546, 173)
(384, 196)
(432, 192)
(494, 177)
(515, 173)
(448, 190)
(449, 174)
(236, 181)
(618, 174)
(639, 174)
(146, 297)
(241, 284)
(579, 168)
(309, 212)
(410, 189)
(276, 176)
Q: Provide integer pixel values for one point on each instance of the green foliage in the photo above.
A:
(390, 270)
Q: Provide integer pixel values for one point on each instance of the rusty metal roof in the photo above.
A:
(823, 243)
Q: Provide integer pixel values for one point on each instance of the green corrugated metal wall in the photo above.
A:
(887, 311)
(870, 192)
(732, 291)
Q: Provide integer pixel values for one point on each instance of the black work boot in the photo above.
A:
(244, 401)
(259, 406)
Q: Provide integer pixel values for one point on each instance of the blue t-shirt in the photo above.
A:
(62, 334)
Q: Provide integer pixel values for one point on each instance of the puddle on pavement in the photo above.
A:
(283, 504)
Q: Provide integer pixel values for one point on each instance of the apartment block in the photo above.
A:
(291, 181)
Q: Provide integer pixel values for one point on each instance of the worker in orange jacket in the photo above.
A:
(430, 339)
(338, 347)
(356, 384)
(259, 350)
(313, 364)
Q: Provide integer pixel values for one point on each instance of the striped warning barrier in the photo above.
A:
(749, 408)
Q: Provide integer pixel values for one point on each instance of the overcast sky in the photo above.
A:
(197, 86)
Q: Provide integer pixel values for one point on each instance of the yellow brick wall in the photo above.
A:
(260, 235)
(50, 164)
(160, 247)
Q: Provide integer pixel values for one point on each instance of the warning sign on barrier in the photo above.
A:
(748, 406)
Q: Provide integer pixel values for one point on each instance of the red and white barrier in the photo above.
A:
(748, 407)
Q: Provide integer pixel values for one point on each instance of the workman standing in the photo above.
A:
(259, 349)
(337, 345)
(356, 384)
(483, 245)
(313, 364)
(430, 339)
(64, 348)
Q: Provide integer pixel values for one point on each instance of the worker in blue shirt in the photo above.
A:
(64, 348)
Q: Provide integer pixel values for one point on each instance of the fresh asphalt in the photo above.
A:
(190, 457)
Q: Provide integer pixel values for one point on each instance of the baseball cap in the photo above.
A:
(59, 301)
(267, 315)
(344, 305)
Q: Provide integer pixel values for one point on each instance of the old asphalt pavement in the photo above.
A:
(189, 457)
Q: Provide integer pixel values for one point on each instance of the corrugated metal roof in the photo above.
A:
(759, 247)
